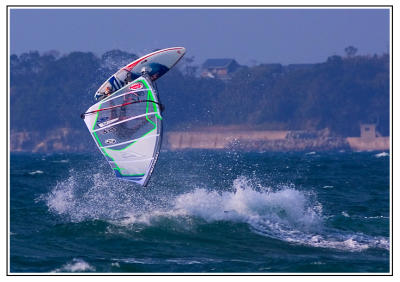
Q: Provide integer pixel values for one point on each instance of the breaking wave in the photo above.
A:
(77, 265)
(284, 213)
(383, 154)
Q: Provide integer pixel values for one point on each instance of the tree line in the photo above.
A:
(49, 91)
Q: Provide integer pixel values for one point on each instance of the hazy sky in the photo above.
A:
(262, 35)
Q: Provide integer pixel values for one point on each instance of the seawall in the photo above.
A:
(255, 140)
(369, 144)
(59, 140)
(70, 140)
(218, 140)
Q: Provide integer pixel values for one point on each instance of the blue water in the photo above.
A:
(202, 212)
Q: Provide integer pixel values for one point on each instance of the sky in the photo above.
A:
(250, 36)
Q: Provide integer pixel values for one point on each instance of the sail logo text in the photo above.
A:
(136, 85)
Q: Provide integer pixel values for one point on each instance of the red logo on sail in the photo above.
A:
(136, 85)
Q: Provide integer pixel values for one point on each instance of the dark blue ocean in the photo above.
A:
(203, 211)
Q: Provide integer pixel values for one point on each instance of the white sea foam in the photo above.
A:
(178, 261)
(77, 265)
(115, 264)
(62, 197)
(61, 161)
(345, 214)
(283, 212)
(383, 154)
(36, 172)
(286, 206)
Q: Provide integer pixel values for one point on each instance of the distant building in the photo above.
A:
(370, 139)
(219, 68)
(368, 131)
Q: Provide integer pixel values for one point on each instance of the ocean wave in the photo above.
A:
(383, 154)
(345, 214)
(286, 206)
(61, 161)
(177, 261)
(77, 265)
(284, 213)
(36, 172)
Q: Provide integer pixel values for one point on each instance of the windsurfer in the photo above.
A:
(107, 92)
(128, 78)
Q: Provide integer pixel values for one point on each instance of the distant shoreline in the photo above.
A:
(215, 138)
(272, 140)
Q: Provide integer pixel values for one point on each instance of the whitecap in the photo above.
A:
(284, 212)
(267, 211)
(115, 264)
(345, 214)
(61, 161)
(376, 217)
(380, 155)
(141, 260)
(36, 172)
(77, 265)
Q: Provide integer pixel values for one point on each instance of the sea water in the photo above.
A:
(202, 211)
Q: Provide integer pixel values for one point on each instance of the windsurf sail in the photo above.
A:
(127, 128)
